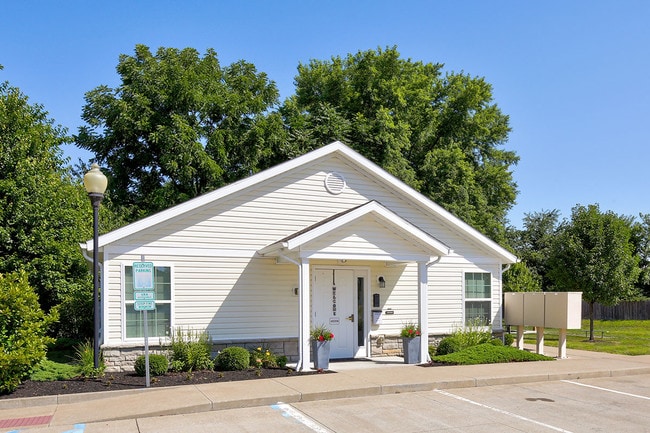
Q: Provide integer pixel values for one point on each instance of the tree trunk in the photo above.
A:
(591, 321)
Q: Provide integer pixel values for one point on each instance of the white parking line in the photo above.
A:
(291, 412)
(606, 389)
(501, 411)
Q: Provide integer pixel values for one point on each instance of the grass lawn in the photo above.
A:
(624, 337)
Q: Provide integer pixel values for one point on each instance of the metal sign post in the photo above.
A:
(144, 298)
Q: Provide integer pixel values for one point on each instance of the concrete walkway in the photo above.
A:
(352, 379)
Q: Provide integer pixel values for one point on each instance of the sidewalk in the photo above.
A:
(352, 379)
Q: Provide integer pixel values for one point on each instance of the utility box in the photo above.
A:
(513, 303)
(563, 310)
(534, 309)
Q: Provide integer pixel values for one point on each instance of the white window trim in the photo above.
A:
(466, 299)
(123, 301)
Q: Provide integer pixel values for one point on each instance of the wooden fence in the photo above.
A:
(624, 311)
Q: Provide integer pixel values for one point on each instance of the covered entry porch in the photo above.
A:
(338, 261)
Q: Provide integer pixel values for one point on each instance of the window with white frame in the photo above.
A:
(478, 298)
(158, 320)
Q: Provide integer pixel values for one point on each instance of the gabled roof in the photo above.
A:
(338, 148)
(407, 230)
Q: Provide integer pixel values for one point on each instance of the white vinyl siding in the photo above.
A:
(221, 285)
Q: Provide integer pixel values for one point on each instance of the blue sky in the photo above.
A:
(574, 76)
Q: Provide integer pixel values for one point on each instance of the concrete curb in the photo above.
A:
(149, 402)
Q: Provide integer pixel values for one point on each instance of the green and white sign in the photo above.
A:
(144, 296)
(144, 305)
(143, 276)
(143, 287)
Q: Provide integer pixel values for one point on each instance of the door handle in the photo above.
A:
(351, 317)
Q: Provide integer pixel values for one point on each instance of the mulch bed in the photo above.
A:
(120, 381)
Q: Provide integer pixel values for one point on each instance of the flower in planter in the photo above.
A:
(410, 330)
(321, 333)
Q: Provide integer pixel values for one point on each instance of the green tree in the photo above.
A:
(442, 135)
(44, 212)
(533, 243)
(641, 239)
(23, 328)
(519, 278)
(594, 254)
(179, 125)
(41, 208)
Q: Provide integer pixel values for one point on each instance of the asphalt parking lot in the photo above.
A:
(619, 404)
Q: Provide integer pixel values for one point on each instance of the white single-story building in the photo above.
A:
(328, 238)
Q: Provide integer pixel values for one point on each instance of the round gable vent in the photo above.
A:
(334, 183)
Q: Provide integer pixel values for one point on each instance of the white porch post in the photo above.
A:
(304, 351)
(423, 310)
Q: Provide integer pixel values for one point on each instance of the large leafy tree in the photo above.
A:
(519, 278)
(179, 125)
(593, 253)
(441, 134)
(641, 239)
(44, 213)
(532, 244)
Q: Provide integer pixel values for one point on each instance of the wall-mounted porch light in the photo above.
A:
(382, 282)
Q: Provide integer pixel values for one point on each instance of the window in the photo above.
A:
(158, 320)
(478, 298)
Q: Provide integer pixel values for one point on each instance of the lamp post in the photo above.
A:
(95, 183)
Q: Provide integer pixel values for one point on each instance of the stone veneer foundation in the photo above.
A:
(122, 358)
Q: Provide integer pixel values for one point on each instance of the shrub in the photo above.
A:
(496, 342)
(23, 328)
(85, 359)
(508, 339)
(158, 365)
(264, 358)
(448, 345)
(487, 353)
(233, 358)
(473, 334)
(190, 351)
(282, 361)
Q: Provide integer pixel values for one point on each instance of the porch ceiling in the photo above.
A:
(393, 238)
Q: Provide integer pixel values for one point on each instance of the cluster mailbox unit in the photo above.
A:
(561, 310)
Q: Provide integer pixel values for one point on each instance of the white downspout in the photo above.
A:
(423, 306)
(304, 355)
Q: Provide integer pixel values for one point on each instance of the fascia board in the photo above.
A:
(392, 258)
(376, 171)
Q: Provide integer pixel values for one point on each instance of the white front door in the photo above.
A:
(334, 305)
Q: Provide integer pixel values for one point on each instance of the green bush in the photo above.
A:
(487, 353)
(448, 345)
(496, 342)
(473, 334)
(85, 359)
(190, 351)
(282, 361)
(233, 358)
(158, 365)
(23, 329)
(508, 339)
(264, 358)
